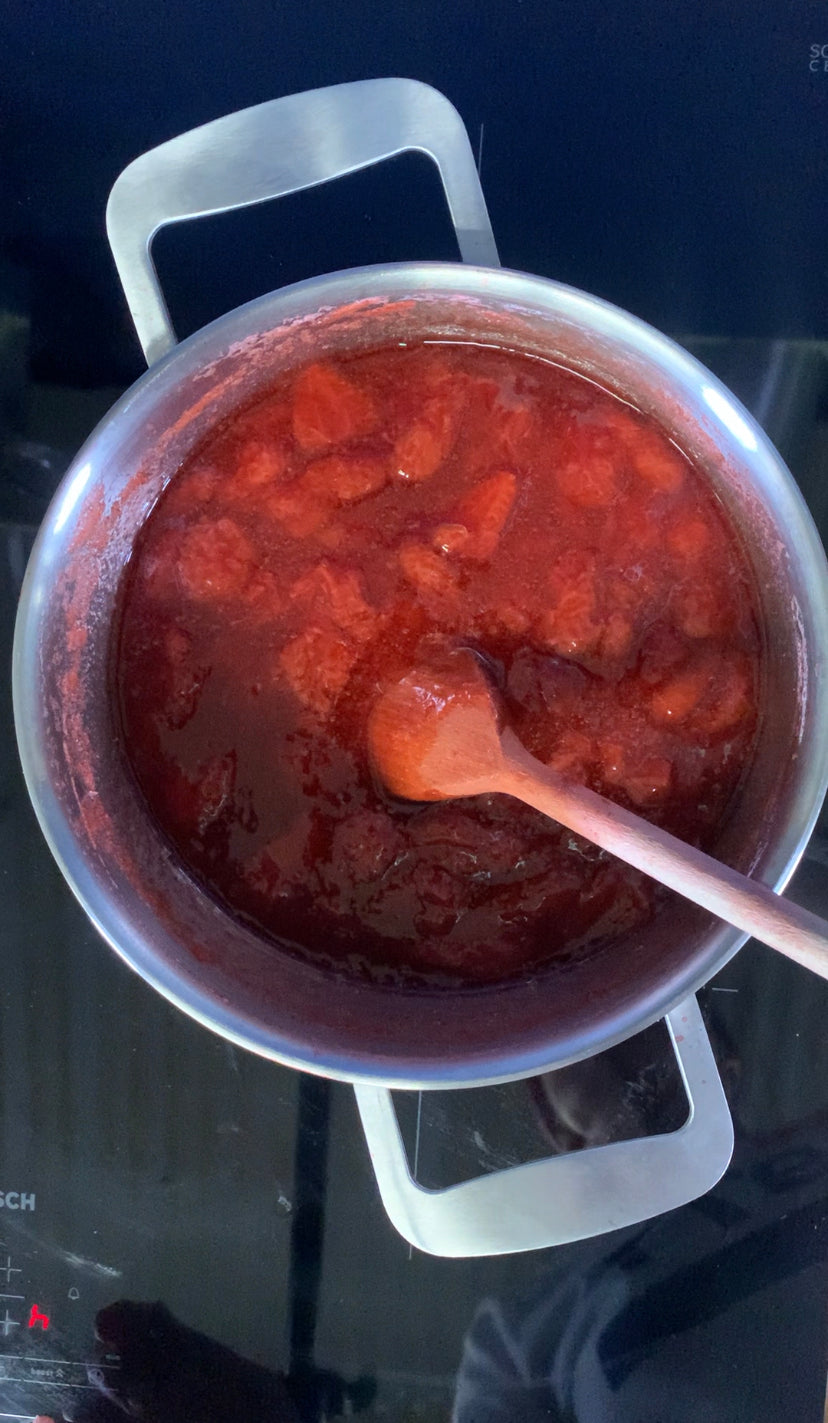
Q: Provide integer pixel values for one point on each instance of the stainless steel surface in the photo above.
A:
(146, 905)
(277, 1005)
(281, 147)
(563, 1198)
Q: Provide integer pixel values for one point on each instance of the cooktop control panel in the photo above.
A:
(50, 1360)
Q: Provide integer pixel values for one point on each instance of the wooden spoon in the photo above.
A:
(434, 735)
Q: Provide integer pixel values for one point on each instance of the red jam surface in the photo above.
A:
(325, 541)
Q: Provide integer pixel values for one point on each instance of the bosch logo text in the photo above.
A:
(17, 1200)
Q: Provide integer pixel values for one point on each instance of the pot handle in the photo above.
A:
(563, 1198)
(281, 147)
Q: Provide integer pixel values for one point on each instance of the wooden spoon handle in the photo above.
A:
(698, 877)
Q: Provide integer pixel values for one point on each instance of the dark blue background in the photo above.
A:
(669, 157)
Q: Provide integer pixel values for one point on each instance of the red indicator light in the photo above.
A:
(38, 1318)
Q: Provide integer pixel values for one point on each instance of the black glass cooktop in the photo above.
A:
(188, 1233)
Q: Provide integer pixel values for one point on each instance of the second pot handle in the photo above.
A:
(562, 1198)
(280, 147)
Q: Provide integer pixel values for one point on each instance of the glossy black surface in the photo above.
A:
(230, 1202)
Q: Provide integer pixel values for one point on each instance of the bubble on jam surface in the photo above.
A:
(329, 409)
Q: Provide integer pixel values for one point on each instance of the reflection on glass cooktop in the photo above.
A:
(188, 1232)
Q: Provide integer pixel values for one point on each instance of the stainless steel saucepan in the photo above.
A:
(122, 869)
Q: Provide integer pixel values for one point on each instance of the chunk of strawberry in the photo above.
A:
(510, 616)
(507, 615)
(346, 477)
(177, 645)
(469, 848)
(189, 494)
(259, 462)
(658, 463)
(329, 410)
(299, 510)
(731, 702)
(451, 538)
(589, 480)
(675, 700)
(570, 625)
(653, 457)
(317, 664)
(485, 511)
(572, 756)
(619, 900)
(699, 610)
(426, 444)
(646, 779)
(426, 570)
(337, 593)
(513, 425)
(215, 560)
(156, 571)
(616, 637)
(263, 595)
(690, 538)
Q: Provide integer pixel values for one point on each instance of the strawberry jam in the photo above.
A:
(367, 511)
